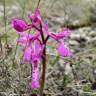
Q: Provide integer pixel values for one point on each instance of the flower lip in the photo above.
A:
(35, 83)
(64, 51)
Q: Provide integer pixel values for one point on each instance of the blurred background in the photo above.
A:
(74, 76)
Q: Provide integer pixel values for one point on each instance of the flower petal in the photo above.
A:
(64, 51)
(38, 15)
(46, 28)
(19, 25)
(27, 54)
(27, 39)
(22, 41)
(37, 47)
(66, 33)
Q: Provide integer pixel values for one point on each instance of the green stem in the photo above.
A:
(43, 62)
(5, 21)
(38, 4)
(43, 73)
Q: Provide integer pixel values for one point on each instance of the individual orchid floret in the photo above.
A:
(64, 51)
(19, 25)
(26, 38)
(36, 19)
(37, 52)
(36, 16)
(66, 33)
(36, 58)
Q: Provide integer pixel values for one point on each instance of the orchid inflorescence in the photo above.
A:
(35, 44)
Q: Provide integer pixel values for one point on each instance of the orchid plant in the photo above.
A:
(35, 44)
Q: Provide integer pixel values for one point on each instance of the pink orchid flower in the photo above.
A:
(26, 40)
(65, 34)
(36, 19)
(35, 45)
(36, 58)
(37, 52)
(20, 25)
(63, 50)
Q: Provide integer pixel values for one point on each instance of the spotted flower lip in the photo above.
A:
(36, 58)
(37, 51)
(35, 83)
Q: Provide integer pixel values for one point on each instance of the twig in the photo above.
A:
(5, 19)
